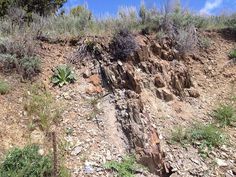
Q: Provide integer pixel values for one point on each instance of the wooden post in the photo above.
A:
(54, 144)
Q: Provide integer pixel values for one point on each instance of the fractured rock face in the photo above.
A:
(152, 66)
(180, 79)
(141, 136)
(164, 94)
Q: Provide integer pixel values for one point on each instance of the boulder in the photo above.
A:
(95, 80)
(193, 93)
(159, 82)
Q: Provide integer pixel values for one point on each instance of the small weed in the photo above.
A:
(4, 87)
(26, 162)
(179, 135)
(39, 104)
(225, 115)
(232, 54)
(69, 131)
(205, 42)
(127, 167)
(63, 75)
(207, 135)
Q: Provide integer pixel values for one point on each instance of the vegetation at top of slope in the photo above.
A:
(123, 44)
(42, 7)
(80, 21)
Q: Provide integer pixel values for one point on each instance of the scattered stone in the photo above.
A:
(221, 163)
(193, 93)
(76, 150)
(37, 137)
(67, 96)
(87, 73)
(88, 169)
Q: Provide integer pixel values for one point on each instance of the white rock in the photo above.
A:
(221, 163)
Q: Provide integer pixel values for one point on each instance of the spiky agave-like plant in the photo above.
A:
(63, 75)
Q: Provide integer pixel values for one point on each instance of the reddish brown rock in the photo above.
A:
(95, 80)
(94, 90)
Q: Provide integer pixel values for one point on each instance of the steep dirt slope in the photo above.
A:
(150, 94)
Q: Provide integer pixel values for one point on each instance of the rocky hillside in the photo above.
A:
(133, 100)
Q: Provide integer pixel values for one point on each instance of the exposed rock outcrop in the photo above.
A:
(152, 65)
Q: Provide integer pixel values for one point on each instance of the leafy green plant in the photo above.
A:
(63, 75)
(225, 115)
(232, 54)
(4, 87)
(26, 162)
(126, 168)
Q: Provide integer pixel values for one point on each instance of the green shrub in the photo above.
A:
(127, 167)
(26, 162)
(225, 115)
(232, 54)
(20, 46)
(29, 66)
(208, 135)
(4, 87)
(63, 75)
(203, 136)
(8, 62)
(19, 55)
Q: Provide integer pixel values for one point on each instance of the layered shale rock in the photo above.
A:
(153, 65)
